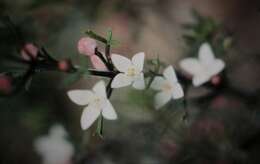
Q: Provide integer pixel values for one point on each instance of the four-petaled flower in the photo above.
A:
(203, 68)
(54, 148)
(97, 103)
(168, 87)
(131, 72)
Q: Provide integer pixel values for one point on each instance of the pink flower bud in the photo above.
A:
(29, 51)
(97, 63)
(87, 46)
(5, 84)
(65, 65)
(216, 80)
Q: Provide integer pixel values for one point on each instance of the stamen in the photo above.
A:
(167, 87)
(131, 72)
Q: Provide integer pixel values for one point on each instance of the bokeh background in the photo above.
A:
(221, 130)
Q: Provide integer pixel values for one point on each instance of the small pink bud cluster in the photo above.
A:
(5, 84)
(64, 65)
(29, 52)
(216, 80)
(87, 46)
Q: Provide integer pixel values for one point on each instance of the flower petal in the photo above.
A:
(177, 91)
(41, 145)
(80, 97)
(206, 55)
(169, 74)
(120, 62)
(161, 99)
(89, 115)
(139, 83)
(121, 80)
(100, 89)
(192, 66)
(216, 67)
(109, 112)
(198, 80)
(157, 83)
(138, 60)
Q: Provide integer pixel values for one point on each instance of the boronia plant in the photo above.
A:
(168, 82)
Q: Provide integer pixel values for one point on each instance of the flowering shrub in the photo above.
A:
(164, 84)
(169, 83)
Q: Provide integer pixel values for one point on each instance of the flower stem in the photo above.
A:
(99, 130)
(109, 74)
(100, 55)
(107, 52)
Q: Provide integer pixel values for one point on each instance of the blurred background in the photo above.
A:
(222, 129)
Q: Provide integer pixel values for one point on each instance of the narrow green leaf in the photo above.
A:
(110, 41)
(109, 36)
(95, 36)
(114, 43)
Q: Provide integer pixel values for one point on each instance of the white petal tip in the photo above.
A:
(115, 86)
(140, 54)
(113, 118)
(196, 84)
(83, 127)
(139, 87)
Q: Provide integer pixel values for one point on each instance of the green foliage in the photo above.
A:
(153, 69)
(110, 41)
(202, 30)
(140, 98)
(155, 63)
(206, 29)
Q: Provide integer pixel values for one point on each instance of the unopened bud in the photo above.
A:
(216, 80)
(64, 65)
(87, 46)
(5, 84)
(29, 52)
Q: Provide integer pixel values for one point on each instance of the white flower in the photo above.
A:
(54, 148)
(168, 87)
(203, 68)
(97, 103)
(131, 72)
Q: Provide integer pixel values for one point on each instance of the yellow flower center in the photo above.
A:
(131, 72)
(167, 87)
(99, 102)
